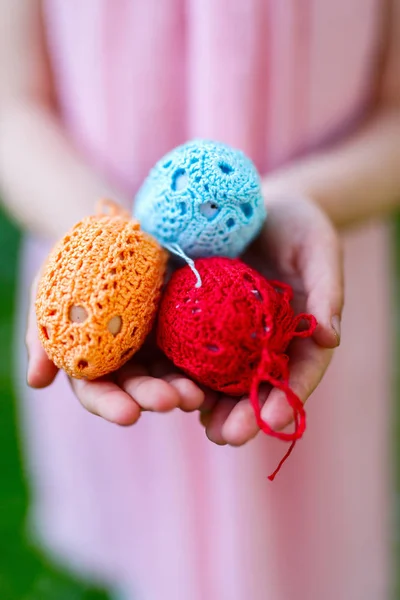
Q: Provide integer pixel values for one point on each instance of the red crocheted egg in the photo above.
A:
(231, 333)
(218, 333)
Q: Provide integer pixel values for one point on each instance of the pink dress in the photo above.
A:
(157, 508)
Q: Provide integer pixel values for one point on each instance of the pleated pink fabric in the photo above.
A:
(157, 507)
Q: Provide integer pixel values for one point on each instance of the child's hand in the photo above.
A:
(299, 246)
(148, 382)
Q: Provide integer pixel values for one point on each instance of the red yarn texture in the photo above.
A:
(231, 333)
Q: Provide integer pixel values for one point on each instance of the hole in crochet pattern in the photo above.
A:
(212, 348)
(182, 208)
(265, 325)
(225, 168)
(167, 164)
(257, 294)
(51, 313)
(209, 210)
(45, 332)
(179, 180)
(126, 353)
(196, 310)
(193, 160)
(247, 209)
(82, 364)
(230, 223)
(248, 278)
(114, 325)
(77, 314)
(134, 330)
(206, 187)
(229, 383)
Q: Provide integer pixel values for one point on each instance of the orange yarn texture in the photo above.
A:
(98, 294)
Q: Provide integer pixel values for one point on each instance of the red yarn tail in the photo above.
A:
(293, 400)
(284, 459)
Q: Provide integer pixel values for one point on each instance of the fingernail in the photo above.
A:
(336, 326)
(29, 376)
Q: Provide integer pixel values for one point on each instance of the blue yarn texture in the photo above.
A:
(204, 197)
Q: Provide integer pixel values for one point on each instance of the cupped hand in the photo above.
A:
(298, 246)
(147, 382)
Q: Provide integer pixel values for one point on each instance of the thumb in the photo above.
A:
(41, 370)
(321, 267)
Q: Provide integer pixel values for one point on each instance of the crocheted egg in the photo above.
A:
(202, 199)
(218, 333)
(231, 333)
(98, 295)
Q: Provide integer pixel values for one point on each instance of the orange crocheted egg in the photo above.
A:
(98, 295)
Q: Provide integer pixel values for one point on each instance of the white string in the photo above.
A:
(177, 250)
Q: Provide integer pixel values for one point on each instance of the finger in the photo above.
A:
(191, 395)
(149, 392)
(210, 399)
(41, 370)
(321, 267)
(241, 425)
(308, 363)
(217, 419)
(105, 398)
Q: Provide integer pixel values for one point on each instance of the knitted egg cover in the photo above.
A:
(231, 333)
(203, 197)
(108, 268)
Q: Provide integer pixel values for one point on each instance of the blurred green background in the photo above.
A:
(24, 573)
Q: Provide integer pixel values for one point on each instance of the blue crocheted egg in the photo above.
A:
(202, 199)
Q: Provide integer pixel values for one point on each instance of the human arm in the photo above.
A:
(45, 183)
(358, 178)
